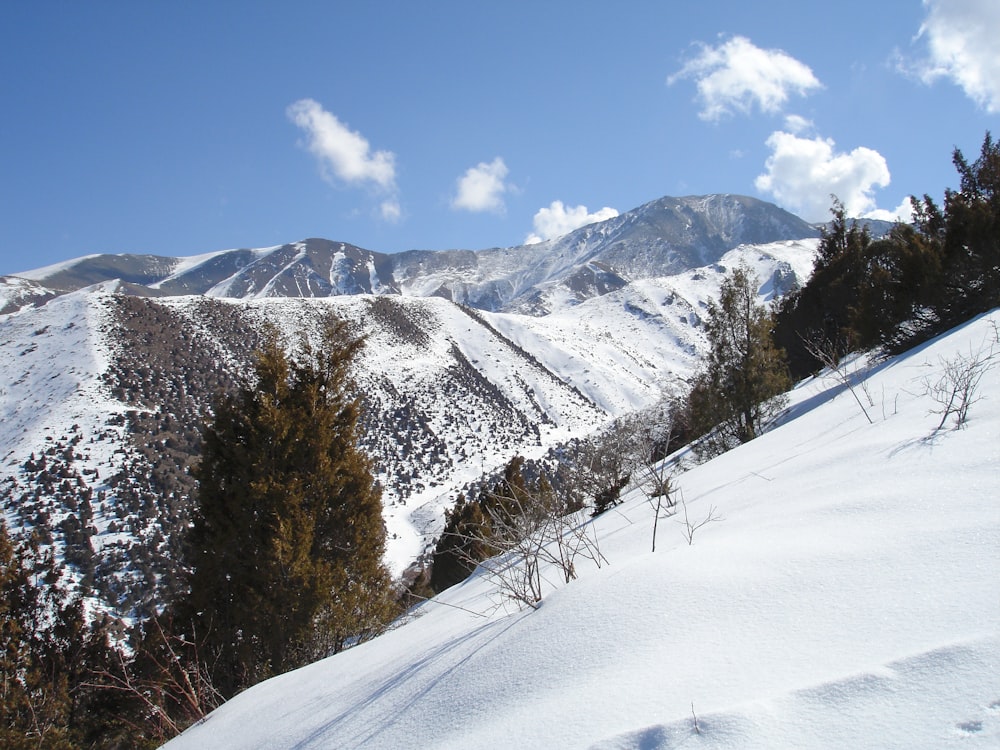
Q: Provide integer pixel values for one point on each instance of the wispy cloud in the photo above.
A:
(345, 155)
(390, 210)
(558, 219)
(482, 188)
(961, 38)
(797, 124)
(736, 75)
(802, 174)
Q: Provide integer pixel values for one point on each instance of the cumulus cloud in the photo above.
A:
(342, 153)
(802, 174)
(961, 39)
(559, 219)
(736, 75)
(482, 188)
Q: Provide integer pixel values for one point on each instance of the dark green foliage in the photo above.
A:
(458, 547)
(901, 273)
(969, 233)
(863, 293)
(288, 538)
(822, 312)
(609, 496)
(743, 382)
(908, 286)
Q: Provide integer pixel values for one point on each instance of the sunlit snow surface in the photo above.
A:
(850, 598)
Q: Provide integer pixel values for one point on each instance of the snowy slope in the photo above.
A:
(627, 348)
(17, 292)
(53, 357)
(849, 598)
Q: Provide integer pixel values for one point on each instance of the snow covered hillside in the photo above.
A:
(102, 394)
(848, 597)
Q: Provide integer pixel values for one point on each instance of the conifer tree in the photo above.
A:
(914, 283)
(970, 283)
(742, 385)
(461, 545)
(286, 549)
(823, 311)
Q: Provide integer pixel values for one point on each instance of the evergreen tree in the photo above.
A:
(970, 282)
(50, 659)
(743, 382)
(901, 274)
(286, 548)
(822, 312)
(460, 545)
(917, 281)
(514, 504)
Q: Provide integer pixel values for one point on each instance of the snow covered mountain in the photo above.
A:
(108, 365)
(661, 238)
(845, 596)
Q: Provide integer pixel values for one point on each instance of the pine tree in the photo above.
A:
(460, 545)
(514, 507)
(286, 549)
(743, 383)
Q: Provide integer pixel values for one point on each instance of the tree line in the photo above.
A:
(882, 295)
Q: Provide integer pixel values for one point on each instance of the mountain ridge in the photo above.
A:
(659, 238)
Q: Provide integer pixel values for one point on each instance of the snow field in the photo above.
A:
(848, 598)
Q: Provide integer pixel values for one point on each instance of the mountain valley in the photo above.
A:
(110, 364)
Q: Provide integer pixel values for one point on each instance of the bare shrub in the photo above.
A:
(168, 679)
(655, 473)
(607, 463)
(957, 388)
(525, 533)
(827, 352)
(690, 527)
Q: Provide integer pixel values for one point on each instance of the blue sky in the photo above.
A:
(179, 128)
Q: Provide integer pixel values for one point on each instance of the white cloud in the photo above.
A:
(797, 124)
(481, 188)
(802, 174)
(390, 210)
(343, 154)
(736, 75)
(903, 212)
(559, 219)
(962, 45)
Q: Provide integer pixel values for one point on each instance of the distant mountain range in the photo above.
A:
(661, 238)
(110, 363)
